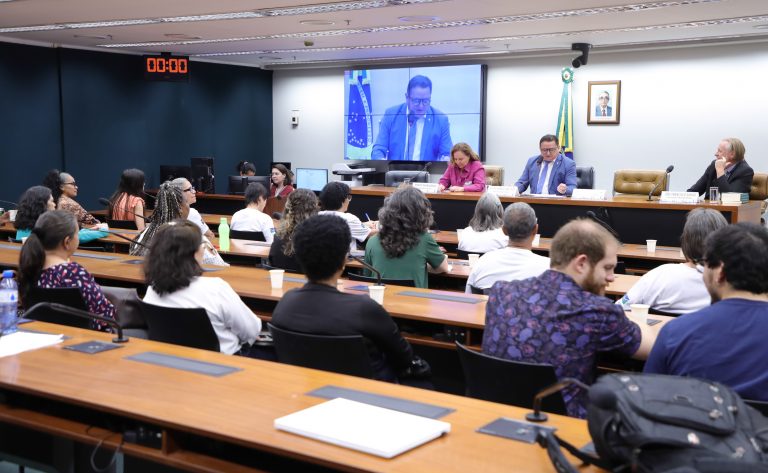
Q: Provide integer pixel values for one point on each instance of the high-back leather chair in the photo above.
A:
(494, 175)
(639, 181)
(395, 178)
(759, 189)
(585, 177)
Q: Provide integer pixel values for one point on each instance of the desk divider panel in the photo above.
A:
(186, 364)
(441, 297)
(396, 404)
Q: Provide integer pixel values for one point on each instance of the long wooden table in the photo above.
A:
(211, 424)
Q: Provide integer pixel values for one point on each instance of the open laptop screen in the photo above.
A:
(313, 179)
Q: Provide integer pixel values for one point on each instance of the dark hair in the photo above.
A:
(131, 183)
(253, 192)
(419, 81)
(285, 172)
(51, 228)
(699, 223)
(32, 203)
(333, 195)
(243, 167)
(519, 221)
(321, 244)
(405, 216)
(168, 207)
(579, 237)
(171, 264)
(299, 206)
(550, 138)
(52, 181)
(488, 212)
(741, 249)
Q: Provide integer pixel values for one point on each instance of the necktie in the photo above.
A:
(411, 137)
(542, 178)
(603, 112)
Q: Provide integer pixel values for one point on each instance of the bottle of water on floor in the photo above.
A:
(9, 301)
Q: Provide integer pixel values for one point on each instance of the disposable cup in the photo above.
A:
(376, 293)
(12, 215)
(473, 257)
(276, 276)
(650, 246)
(537, 239)
(640, 312)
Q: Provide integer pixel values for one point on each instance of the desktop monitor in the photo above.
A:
(237, 184)
(202, 174)
(171, 172)
(313, 179)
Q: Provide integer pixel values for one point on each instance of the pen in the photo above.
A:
(366, 216)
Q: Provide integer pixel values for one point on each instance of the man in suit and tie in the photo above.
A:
(602, 109)
(729, 172)
(550, 172)
(414, 130)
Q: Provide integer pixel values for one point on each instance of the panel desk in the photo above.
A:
(210, 424)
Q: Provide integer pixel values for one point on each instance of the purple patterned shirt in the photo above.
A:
(73, 275)
(551, 319)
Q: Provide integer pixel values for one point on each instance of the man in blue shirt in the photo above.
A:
(724, 342)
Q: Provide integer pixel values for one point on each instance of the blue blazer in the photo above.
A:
(564, 171)
(608, 111)
(435, 139)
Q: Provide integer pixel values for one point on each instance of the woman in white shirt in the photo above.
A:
(173, 274)
(252, 218)
(484, 232)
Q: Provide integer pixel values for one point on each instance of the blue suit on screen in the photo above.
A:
(563, 171)
(435, 138)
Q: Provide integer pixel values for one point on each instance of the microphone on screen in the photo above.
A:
(669, 169)
(107, 203)
(592, 215)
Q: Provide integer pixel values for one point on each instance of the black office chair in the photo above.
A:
(585, 177)
(462, 254)
(477, 290)
(653, 311)
(345, 354)
(372, 279)
(125, 224)
(69, 296)
(761, 406)
(395, 178)
(243, 235)
(187, 327)
(508, 382)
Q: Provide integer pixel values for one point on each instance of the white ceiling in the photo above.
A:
(370, 31)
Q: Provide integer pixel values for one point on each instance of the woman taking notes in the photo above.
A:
(465, 173)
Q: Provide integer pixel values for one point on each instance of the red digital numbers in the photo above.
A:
(166, 65)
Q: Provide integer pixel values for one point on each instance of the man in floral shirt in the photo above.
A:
(562, 317)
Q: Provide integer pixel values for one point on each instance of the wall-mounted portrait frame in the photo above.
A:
(604, 102)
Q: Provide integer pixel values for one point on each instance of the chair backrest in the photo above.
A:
(508, 382)
(397, 282)
(759, 189)
(188, 327)
(69, 296)
(761, 406)
(126, 224)
(395, 178)
(476, 290)
(634, 181)
(494, 175)
(404, 166)
(243, 235)
(463, 254)
(49, 312)
(346, 354)
(585, 177)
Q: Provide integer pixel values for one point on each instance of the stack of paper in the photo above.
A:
(18, 342)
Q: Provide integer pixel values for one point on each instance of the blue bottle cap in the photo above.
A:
(8, 273)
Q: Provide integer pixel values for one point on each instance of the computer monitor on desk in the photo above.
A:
(237, 184)
(312, 179)
(171, 172)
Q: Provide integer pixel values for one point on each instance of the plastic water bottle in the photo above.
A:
(9, 301)
(224, 234)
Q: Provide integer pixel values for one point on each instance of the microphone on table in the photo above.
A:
(86, 315)
(148, 195)
(106, 202)
(669, 169)
(537, 415)
(593, 216)
(9, 202)
(131, 240)
(370, 268)
(424, 170)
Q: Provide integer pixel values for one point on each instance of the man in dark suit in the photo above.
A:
(549, 172)
(729, 172)
(602, 109)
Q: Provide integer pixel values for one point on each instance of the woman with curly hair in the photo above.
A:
(300, 205)
(34, 202)
(403, 248)
(127, 203)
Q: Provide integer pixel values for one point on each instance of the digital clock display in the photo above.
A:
(166, 67)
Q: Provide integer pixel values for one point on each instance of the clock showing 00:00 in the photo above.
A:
(166, 67)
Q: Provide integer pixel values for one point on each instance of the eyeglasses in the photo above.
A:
(73, 184)
(603, 98)
(420, 101)
(191, 189)
(548, 150)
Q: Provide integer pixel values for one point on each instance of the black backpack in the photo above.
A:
(658, 423)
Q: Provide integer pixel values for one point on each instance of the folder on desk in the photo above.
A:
(370, 429)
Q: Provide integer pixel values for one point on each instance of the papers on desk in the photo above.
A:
(19, 342)
(370, 429)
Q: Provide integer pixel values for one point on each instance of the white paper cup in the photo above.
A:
(376, 293)
(640, 312)
(276, 276)
(650, 246)
(23, 240)
(537, 239)
(12, 215)
(103, 227)
(473, 257)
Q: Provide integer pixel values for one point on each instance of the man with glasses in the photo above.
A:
(414, 130)
(549, 173)
(190, 197)
(602, 109)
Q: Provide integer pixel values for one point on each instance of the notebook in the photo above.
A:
(370, 429)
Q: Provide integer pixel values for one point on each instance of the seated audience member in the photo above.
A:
(44, 262)
(64, 190)
(729, 172)
(127, 203)
(281, 181)
(34, 202)
(724, 342)
(484, 232)
(190, 197)
(300, 205)
(244, 168)
(465, 172)
(549, 172)
(403, 247)
(516, 261)
(252, 218)
(173, 275)
(562, 317)
(334, 200)
(678, 288)
(321, 244)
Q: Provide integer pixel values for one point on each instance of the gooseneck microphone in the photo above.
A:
(107, 203)
(424, 170)
(669, 169)
(86, 315)
(537, 415)
(593, 216)
(9, 202)
(369, 267)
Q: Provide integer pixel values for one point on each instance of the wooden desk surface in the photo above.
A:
(240, 408)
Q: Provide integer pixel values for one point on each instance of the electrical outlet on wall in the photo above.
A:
(295, 117)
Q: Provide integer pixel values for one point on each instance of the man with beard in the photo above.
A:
(725, 341)
(562, 317)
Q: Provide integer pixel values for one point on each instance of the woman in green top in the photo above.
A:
(403, 249)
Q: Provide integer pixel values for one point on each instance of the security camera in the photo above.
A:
(309, 43)
(584, 48)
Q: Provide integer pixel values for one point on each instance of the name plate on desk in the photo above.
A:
(426, 187)
(589, 194)
(669, 197)
(503, 191)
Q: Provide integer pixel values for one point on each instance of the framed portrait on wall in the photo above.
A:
(604, 102)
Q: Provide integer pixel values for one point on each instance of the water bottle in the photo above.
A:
(9, 300)
(224, 234)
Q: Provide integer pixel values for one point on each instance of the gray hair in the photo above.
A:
(488, 213)
(699, 223)
(180, 182)
(519, 221)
